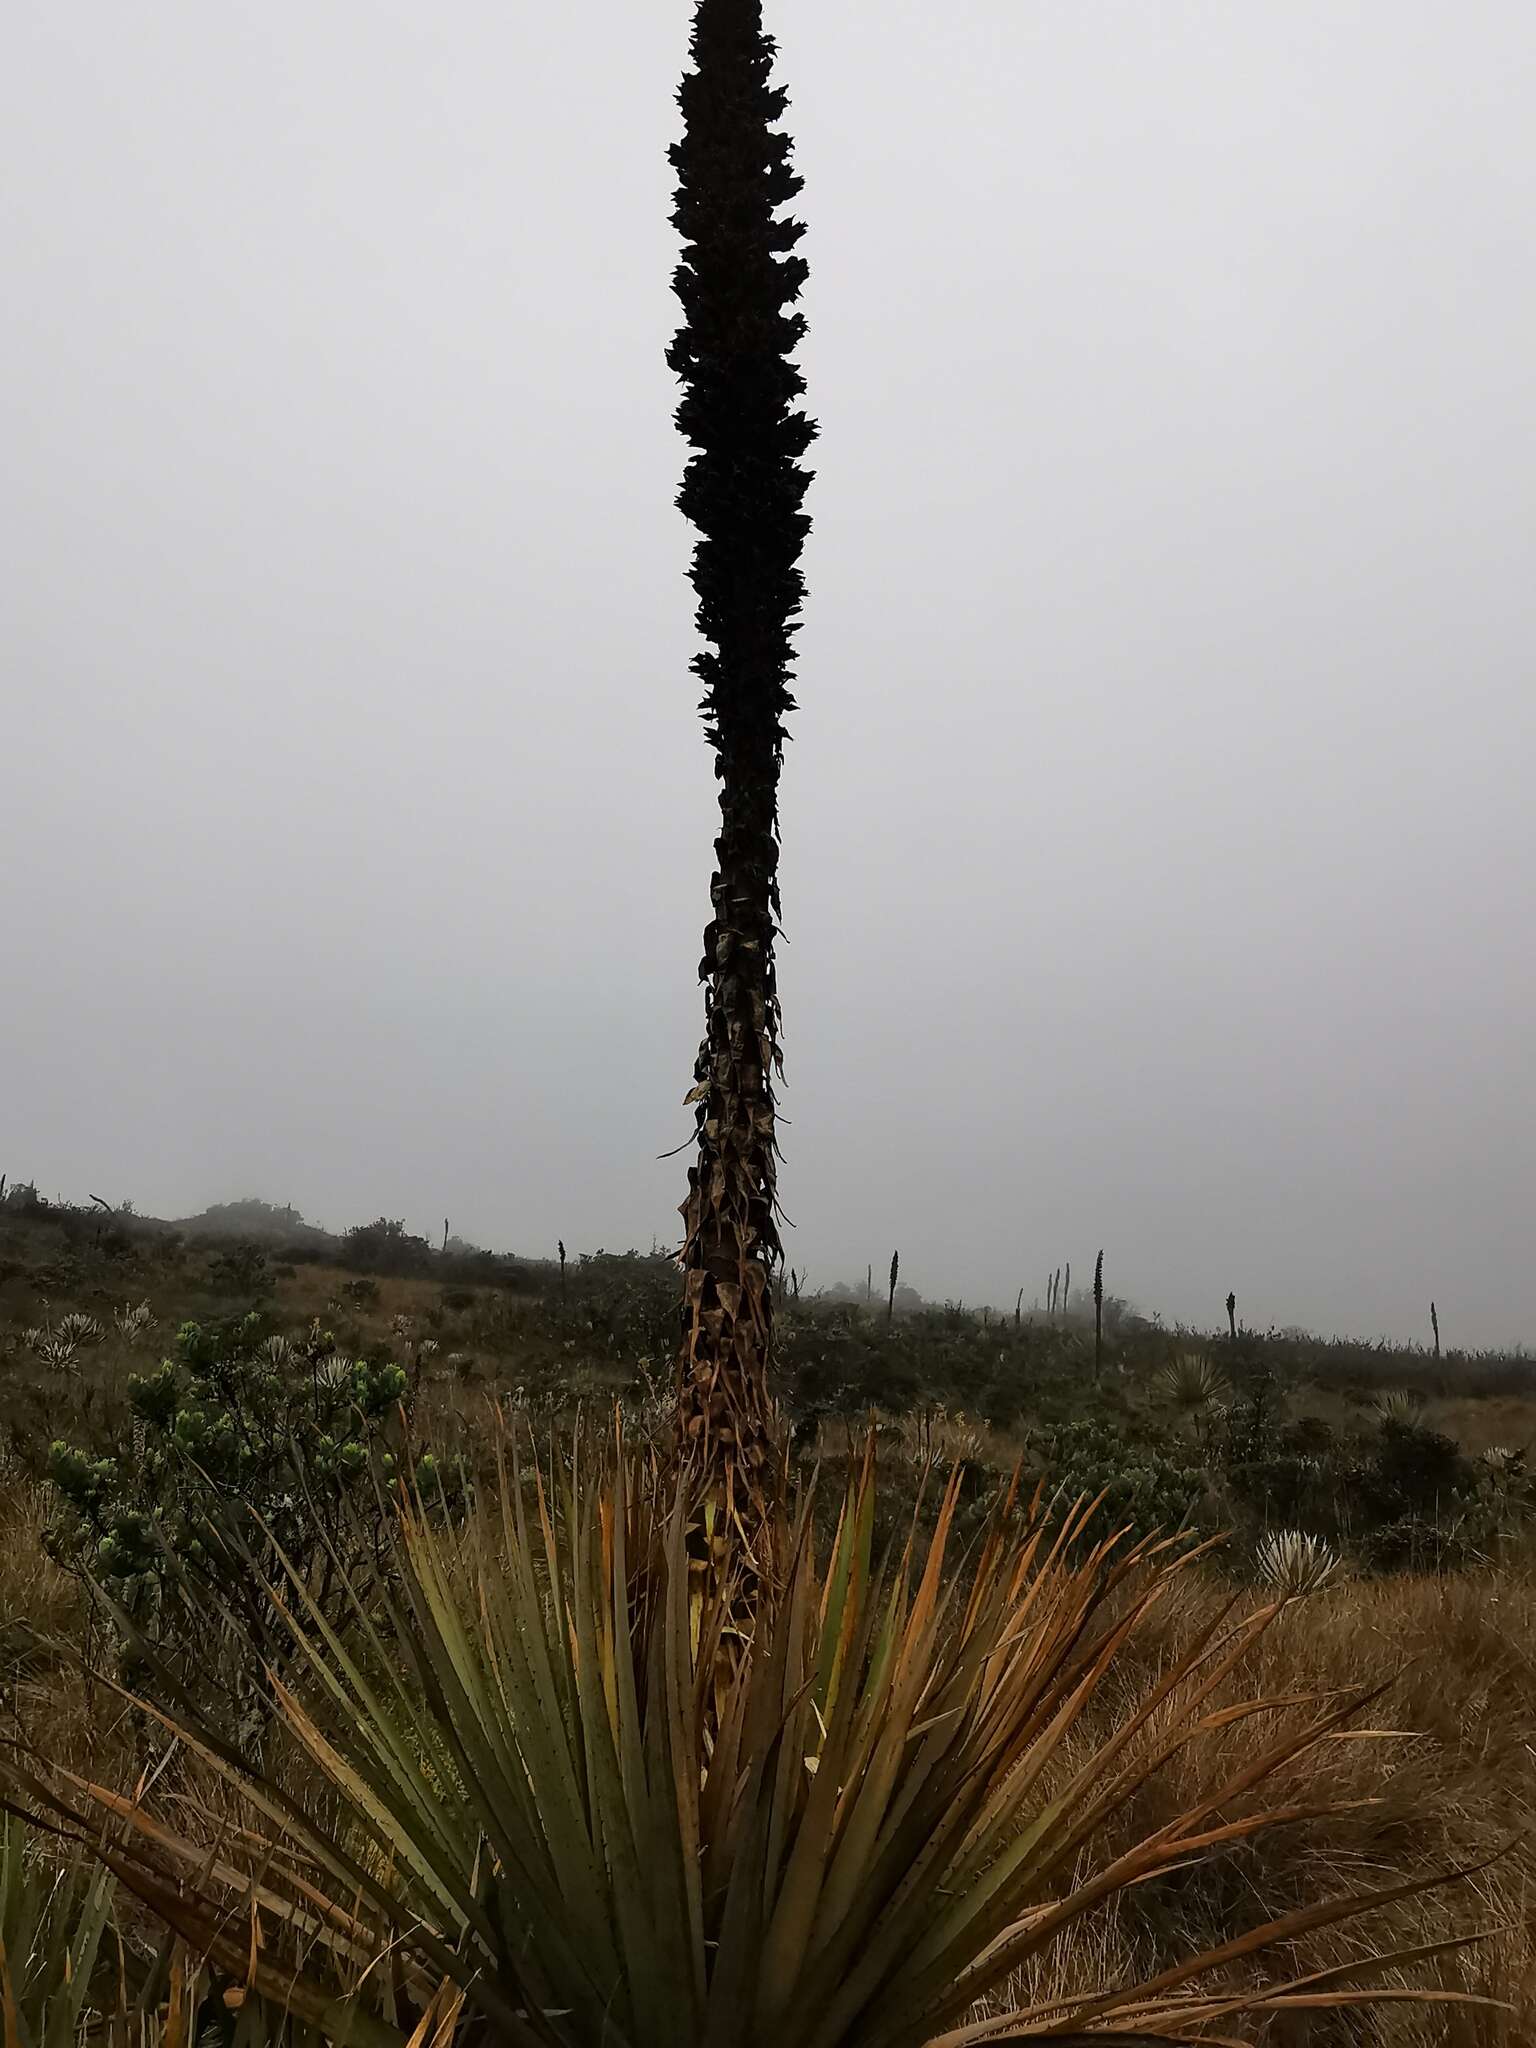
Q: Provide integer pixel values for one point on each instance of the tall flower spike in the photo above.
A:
(743, 488)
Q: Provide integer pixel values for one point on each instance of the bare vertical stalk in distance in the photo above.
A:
(890, 1304)
(1434, 1320)
(1098, 1316)
(1232, 1314)
(743, 487)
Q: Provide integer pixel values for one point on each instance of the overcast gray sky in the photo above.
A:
(1159, 836)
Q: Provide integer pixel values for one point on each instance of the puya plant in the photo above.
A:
(242, 1447)
(53, 1917)
(546, 1814)
(738, 280)
(72, 1972)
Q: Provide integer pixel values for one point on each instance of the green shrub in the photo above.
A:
(1416, 1543)
(1411, 1472)
(1147, 1483)
(242, 1446)
(386, 1247)
(242, 1270)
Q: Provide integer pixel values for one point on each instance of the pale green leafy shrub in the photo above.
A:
(242, 1446)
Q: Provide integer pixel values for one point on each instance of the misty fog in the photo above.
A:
(1158, 828)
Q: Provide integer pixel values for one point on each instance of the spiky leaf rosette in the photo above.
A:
(743, 489)
(907, 1798)
(52, 1919)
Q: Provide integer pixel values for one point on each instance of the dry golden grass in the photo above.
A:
(1475, 1421)
(321, 1291)
(1507, 1419)
(44, 1623)
(1456, 1659)
(34, 1593)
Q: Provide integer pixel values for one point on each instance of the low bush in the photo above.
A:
(385, 1247)
(243, 1448)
